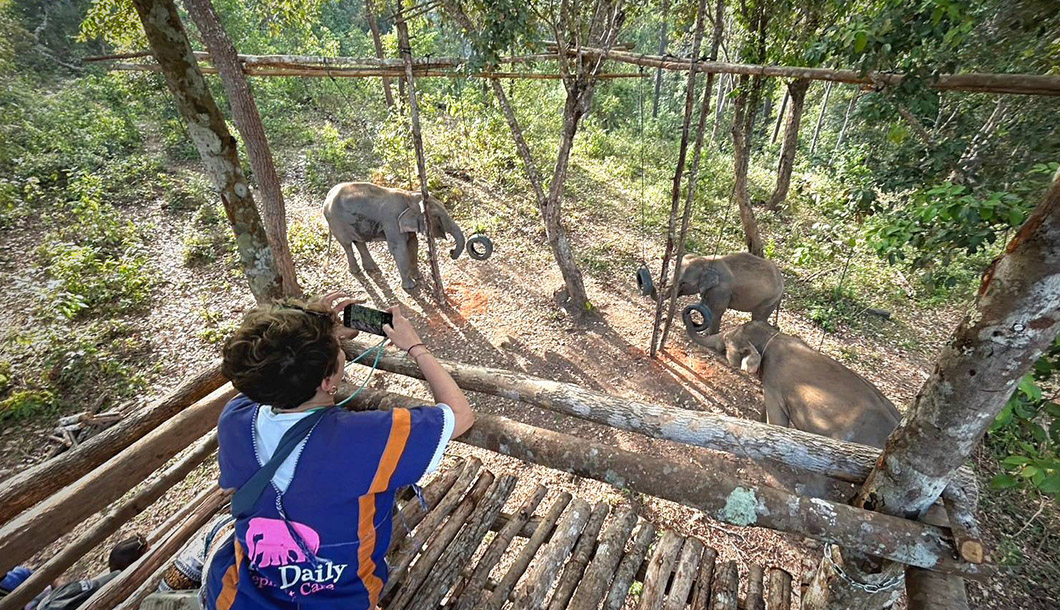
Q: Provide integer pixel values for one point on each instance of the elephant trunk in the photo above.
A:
(453, 229)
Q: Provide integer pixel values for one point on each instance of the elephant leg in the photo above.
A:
(717, 300)
(354, 269)
(366, 256)
(414, 258)
(762, 312)
(399, 249)
(775, 413)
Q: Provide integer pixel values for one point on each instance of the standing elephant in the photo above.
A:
(805, 389)
(360, 212)
(740, 281)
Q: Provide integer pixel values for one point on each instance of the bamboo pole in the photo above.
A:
(26, 488)
(745, 438)
(46, 522)
(721, 497)
(110, 523)
(421, 72)
(404, 47)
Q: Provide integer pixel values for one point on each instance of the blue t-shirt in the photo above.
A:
(321, 543)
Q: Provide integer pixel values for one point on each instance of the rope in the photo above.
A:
(378, 349)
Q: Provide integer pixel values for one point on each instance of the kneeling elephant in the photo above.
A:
(360, 212)
(804, 388)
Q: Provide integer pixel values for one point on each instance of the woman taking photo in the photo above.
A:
(315, 485)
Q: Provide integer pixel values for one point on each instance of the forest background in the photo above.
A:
(898, 201)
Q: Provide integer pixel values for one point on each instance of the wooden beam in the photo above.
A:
(46, 522)
(421, 72)
(745, 438)
(110, 523)
(31, 485)
(719, 496)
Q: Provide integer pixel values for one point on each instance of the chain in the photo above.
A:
(868, 588)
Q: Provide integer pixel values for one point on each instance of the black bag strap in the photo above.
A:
(247, 496)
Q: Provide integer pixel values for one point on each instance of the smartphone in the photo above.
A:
(366, 319)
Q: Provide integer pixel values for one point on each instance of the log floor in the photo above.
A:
(466, 553)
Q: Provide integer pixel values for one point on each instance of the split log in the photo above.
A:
(608, 554)
(721, 497)
(440, 541)
(118, 589)
(500, 594)
(467, 593)
(1020, 84)
(443, 574)
(659, 568)
(110, 523)
(575, 569)
(538, 582)
(400, 559)
(46, 522)
(34, 484)
(685, 572)
(778, 590)
(755, 599)
(961, 512)
(928, 590)
(725, 593)
(701, 595)
(741, 437)
(412, 513)
(627, 568)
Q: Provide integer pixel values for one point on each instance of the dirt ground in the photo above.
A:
(501, 313)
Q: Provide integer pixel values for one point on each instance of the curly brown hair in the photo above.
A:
(281, 352)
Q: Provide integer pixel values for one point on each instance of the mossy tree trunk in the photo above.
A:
(248, 122)
(216, 146)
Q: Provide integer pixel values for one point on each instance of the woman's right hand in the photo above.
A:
(401, 334)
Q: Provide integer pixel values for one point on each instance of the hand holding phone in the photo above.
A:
(366, 319)
(400, 331)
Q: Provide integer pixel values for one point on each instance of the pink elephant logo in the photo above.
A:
(270, 542)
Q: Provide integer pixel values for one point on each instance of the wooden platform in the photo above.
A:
(466, 553)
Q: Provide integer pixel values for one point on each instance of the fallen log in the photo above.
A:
(745, 438)
(32, 485)
(118, 590)
(45, 523)
(721, 497)
(54, 567)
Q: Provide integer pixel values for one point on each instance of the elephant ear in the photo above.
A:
(751, 361)
(411, 221)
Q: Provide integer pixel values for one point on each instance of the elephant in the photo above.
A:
(805, 389)
(360, 212)
(740, 281)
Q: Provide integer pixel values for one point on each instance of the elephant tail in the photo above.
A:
(776, 312)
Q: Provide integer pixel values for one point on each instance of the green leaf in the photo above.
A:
(1050, 485)
(1004, 481)
(1014, 461)
(1015, 217)
(1029, 388)
(861, 40)
(1030, 472)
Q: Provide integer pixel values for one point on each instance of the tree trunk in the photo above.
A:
(928, 590)
(369, 11)
(780, 116)
(797, 93)
(248, 122)
(820, 117)
(972, 158)
(662, 51)
(723, 85)
(743, 118)
(421, 163)
(217, 147)
(1017, 317)
(693, 173)
(846, 121)
(679, 174)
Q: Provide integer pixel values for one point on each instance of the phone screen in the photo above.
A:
(366, 319)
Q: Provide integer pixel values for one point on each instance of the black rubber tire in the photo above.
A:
(644, 282)
(479, 240)
(708, 317)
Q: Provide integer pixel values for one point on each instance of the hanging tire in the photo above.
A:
(479, 247)
(703, 311)
(644, 283)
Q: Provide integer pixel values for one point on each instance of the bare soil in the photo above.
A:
(502, 313)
